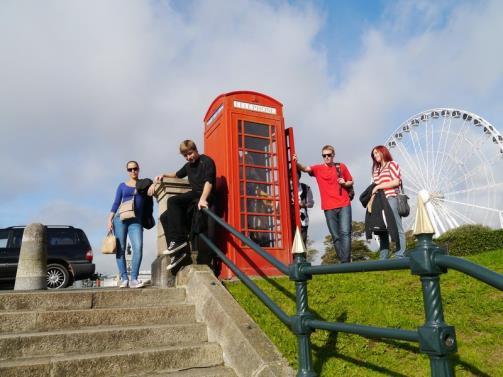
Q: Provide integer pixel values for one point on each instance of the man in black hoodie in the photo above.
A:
(201, 172)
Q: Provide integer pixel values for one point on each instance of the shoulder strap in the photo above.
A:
(338, 170)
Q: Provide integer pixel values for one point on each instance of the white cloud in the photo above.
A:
(87, 86)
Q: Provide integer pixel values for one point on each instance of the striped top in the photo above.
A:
(389, 172)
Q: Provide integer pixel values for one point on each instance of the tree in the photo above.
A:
(311, 252)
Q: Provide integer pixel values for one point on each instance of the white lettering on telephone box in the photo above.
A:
(253, 107)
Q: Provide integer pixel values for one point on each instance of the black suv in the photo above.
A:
(69, 255)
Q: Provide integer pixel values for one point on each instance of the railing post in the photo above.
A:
(299, 325)
(436, 338)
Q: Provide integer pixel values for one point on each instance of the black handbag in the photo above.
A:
(402, 201)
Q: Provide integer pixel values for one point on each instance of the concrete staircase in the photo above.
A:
(105, 332)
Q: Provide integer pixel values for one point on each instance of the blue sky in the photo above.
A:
(89, 85)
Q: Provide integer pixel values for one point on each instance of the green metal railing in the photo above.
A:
(428, 261)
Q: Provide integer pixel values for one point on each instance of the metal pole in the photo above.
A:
(299, 323)
(436, 338)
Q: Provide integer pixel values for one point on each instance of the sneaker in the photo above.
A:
(124, 284)
(175, 260)
(174, 247)
(136, 284)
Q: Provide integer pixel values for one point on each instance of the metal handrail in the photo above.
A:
(381, 265)
(248, 282)
(469, 268)
(276, 263)
(435, 337)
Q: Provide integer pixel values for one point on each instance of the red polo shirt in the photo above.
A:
(331, 194)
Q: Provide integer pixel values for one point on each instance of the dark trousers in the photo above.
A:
(339, 224)
(175, 219)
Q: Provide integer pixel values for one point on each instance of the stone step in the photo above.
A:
(219, 371)
(39, 321)
(93, 340)
(71, 299)
(120, 363)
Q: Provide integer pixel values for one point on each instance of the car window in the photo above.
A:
(4, 237)
(82, 236)
(61, 237)
(17, 237)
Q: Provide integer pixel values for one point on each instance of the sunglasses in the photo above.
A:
(132, 169)
(327, 155)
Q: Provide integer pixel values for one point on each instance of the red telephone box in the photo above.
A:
(245, 135)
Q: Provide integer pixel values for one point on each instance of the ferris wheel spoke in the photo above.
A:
(418, 166)
(410, 189)
(451, 220)
(442, 150)
(470, 205)
(485, 187)
(463, 133)
(440, 145)
(460, 215)
(468, 174)
(413, 166)
(481, 169)
(427, 152)
(421, 155)
(418, 152)
(473, 189)
(456, 146)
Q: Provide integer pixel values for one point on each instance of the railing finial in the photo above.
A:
(298, 246)
(422, 224)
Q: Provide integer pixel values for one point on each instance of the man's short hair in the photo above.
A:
(187, 146)
(329, 147)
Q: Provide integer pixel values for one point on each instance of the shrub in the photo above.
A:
(471, 239)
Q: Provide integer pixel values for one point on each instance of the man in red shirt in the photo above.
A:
(335, 200)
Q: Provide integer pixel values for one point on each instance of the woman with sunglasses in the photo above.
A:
(127, 191)
(386, 176)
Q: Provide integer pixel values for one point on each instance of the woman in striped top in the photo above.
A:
(386, 176)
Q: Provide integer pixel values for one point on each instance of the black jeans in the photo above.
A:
(175, 219)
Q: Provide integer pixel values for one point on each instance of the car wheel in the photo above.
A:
(57, 276)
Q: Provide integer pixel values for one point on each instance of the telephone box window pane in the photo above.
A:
(259, 189)
(262, 239)
(262, 159)
(256, 189)
(257, 144)
(259, 222)
(258, 129)
(259, 174)
(259, 206)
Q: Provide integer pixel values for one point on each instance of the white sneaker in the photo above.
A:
(124, 284)
(136, 284)
(174, 247)
(175, 260)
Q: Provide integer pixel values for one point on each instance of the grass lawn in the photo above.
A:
(387, 299)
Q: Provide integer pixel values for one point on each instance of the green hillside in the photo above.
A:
(388, 299)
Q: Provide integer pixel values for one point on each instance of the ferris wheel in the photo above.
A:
(454, 160)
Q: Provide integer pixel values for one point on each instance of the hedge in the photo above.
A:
(471, 239)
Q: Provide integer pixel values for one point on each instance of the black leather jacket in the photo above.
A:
(381, 219)
(147, 218)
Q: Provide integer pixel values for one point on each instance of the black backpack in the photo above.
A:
(350, 190)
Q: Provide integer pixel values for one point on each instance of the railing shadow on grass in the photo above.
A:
(329, 349)
(436, 339)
